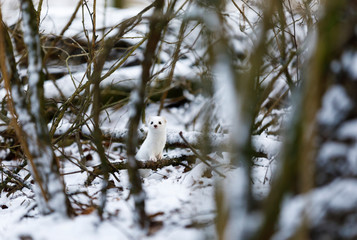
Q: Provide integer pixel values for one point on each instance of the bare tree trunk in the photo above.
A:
(157, 23)
(95, 79)
(28, 119)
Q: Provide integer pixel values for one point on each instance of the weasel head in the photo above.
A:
(157, 123)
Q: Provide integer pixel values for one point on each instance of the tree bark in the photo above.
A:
(30, 126)
(136, 107)
(166, 161)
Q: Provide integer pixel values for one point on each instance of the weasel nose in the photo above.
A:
(155, 126)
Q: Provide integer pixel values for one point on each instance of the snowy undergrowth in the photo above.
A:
(179, 200)
(182, 202)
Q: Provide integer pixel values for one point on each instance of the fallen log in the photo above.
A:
(265, 147)
(173, 137)
(184, 159)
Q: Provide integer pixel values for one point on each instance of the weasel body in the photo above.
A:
(154, 144)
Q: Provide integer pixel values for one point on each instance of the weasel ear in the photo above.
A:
(164, 119)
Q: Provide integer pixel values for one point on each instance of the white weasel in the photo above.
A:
(154, 144)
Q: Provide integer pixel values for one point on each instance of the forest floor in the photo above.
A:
(180, 200)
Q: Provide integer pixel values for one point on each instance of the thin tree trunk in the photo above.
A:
(137, 106)
(28, 118)
(239, 104)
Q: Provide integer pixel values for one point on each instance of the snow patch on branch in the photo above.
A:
(349, 63)
(335, 105)
(348, 130)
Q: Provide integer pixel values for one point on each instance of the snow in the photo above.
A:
(235, 188)
(195, 174)
(55, 15)
(335, 105)
(225, 94)
(332, 150)
(167, 192)
(177, 197)
(205, 14)
(68, 229)
(339, 196)
(348, 130)
(267, 145)
(349, 63)
(41, 154)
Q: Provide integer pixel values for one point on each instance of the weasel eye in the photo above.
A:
(151, 123)
(160, 123)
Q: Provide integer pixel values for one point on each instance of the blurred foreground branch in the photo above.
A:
(157, 23)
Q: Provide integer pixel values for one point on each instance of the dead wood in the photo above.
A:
(184, 159)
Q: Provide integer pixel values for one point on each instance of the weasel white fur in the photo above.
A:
(155, 141)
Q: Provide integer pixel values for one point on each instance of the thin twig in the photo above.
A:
(200, 157)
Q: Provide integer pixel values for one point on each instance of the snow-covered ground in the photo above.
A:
(181, 202)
